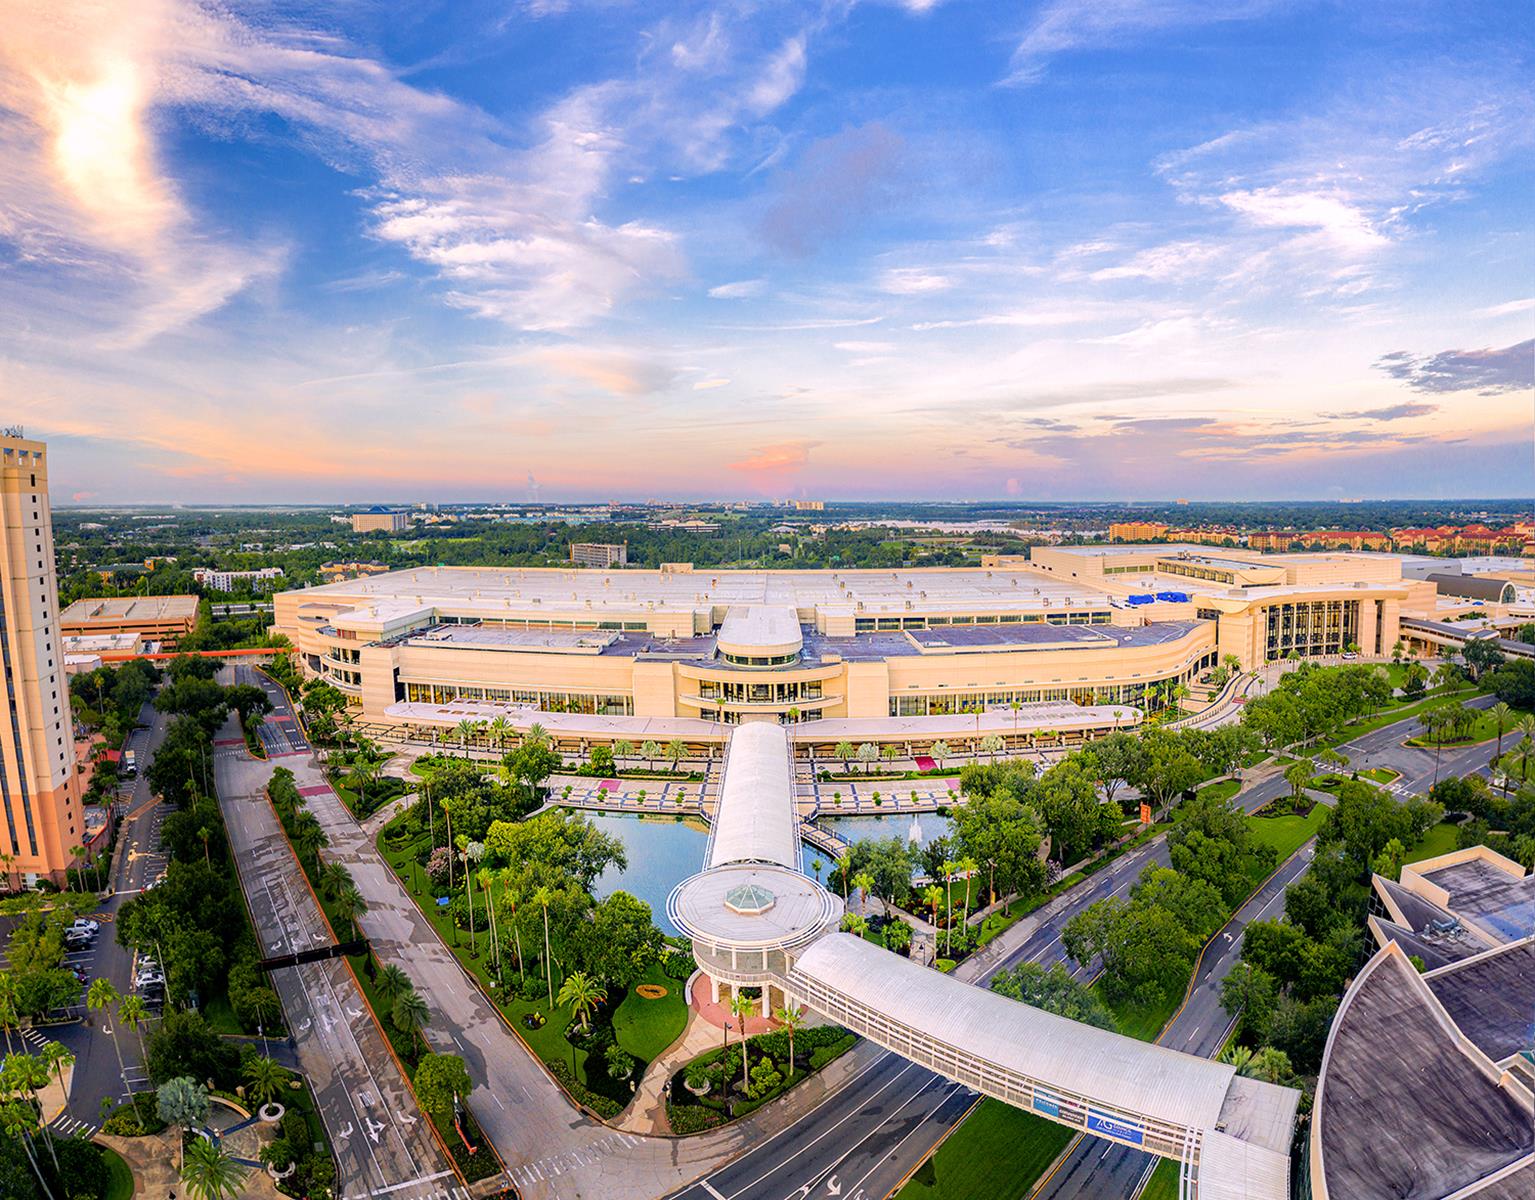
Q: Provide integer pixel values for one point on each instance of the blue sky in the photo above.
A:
(949, 249)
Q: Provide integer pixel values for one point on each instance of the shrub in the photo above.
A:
(764, 1078)
(125, 1120)
(692, 1118)
(620, 1064)
(437, 867)
(603, 1106)
(679, 964)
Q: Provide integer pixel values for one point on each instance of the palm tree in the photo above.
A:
(8, 1014)
(211, 1173)
(1502, 714)
(868, 752)
(499, 728)
(789, 1020)
(991, 745)
(623, 748)
(486, 878)
(845, 753)
(391, 983)
(264, 1079)
(78, 854)
(409, 1011)
(676, 751)
(650, 751)
(29, 1075)
(845, 866)
(932, 896)
(473, 853)
(59, 1059)
(366, 773)
(741, 1007)
(309, 836)
(536, 735)
(332, 878)
(350, 904)
(541, 897)
(465, 730)
(100, 997)
(582, 993)
(967, 867)
(949, 867)
(512, 898)
(940, 751)
(864, 883)
(132, 1013)
(19, 1121)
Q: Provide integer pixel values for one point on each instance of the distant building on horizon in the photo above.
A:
(599, 554)
(380, 519)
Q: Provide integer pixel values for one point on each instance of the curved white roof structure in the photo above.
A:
(754, 820)
(1121, 1072)
(1232, 1135)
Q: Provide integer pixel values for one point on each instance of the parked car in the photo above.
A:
(85, 925)
(149, 981)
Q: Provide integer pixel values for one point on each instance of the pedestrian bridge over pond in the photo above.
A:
(757, 920)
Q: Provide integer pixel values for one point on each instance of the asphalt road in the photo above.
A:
(383, 1145)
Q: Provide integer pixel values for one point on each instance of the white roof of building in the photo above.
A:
(755, 820)
(1133, 1076)
(492, 590)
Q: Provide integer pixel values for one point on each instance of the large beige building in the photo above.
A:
(377, 519)
(38, 792)
(1074, 642)
(161, 619)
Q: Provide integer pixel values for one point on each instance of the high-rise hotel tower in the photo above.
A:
(41, 820)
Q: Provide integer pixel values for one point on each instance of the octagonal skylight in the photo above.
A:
(749, 899)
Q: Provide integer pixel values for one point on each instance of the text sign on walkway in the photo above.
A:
(1047, 1103)
(1113, 1127)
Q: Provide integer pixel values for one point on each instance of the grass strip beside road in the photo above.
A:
(995, 1154)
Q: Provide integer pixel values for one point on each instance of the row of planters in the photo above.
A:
(728, 1083)
(357, 776)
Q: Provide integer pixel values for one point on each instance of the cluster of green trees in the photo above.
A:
(35, 980)
(1148, 941)
(35, 1162)
(194, 923)
(1284, 991)
(108, 699)
(1313, 700)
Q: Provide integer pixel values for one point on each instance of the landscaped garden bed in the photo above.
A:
(711, 1090)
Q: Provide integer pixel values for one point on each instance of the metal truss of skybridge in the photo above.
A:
(757, 920)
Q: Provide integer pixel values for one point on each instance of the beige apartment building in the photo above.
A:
(377, 519)
(1078, 641)
(38, 789)
(162, 619)
(599, 554)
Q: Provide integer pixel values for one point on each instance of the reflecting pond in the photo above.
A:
(663, 851)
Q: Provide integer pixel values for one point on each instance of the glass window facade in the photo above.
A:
(572, 702)
(1311, 628)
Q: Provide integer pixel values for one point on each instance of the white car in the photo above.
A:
(148, 980)
(84, 925)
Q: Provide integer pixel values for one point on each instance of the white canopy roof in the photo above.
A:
(755, 819)
(1132, 1076)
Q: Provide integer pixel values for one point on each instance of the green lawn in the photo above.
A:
(1287, 834)
(997, 1153)
(1380, 774)
(1438, 840)
(646, 1027)
(1145, 1021)
(1223, 790)
(1163, 1184)
(120, 1185)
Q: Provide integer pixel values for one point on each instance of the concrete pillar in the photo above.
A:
(767, 1000)
(714, 989)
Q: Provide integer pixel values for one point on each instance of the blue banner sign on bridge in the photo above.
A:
(1124, 1131)
(1047, 1103)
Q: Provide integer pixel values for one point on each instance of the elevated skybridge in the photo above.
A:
(756, 920)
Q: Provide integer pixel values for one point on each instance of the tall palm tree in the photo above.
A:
(499, 729)
(465, 731)
(536, 735)
(676, 751)
(211, 1173)
(473, 853)
(309, 836)
(949, 867)
(332, 878)
(741, 1008)
(132, 1013)
(582, 993)
(100, 997)
(31, 1075)
(58, 1059)
(350, 904)
(967, 867)
(486, 878)
(511, 897)
(844, 752)
(932, 896)
(9, 1017)
(864, 883)
(366, 773)
(789, 1019)
(650, 751)
(845, 866)
(1502, 714)
(19, 1121)
(541, 897)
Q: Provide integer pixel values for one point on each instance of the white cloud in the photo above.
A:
(913, 281)
(1342, 223)
(741, 289)
(1508, 309)
(864, 347)
(708, 385)
(1174, 260)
